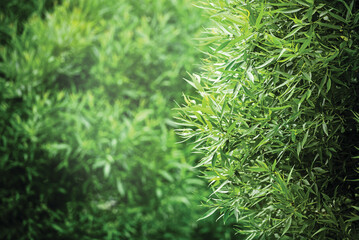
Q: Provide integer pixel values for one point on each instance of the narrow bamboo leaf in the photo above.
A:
(307, 76)
(208, 213)
(283, 10)
(214, 159)
(324, 80)
(229, 131)
(214, 106)
(329, 26)
(265, 64)
(207, 110)
(337, 17)
(299, 148)
(305, 138)
(293, 32)
(191, 83)
(224, 157)
(230, 64)
(263, 164)
(257, 169)
(346, 5)
(309, 93)
(325, 128)
(281, 53)
(329, 84)
(282, 184)
(220, 187)
(211, 121)
(236, 19)
(320, 230)
(302, 3)
(260, 16)
(236, 90)
(290, 175)
(279, 108)
(197, 81)
(333, 56)
(224, 106)
(249, 93)
(274, 164)
(305, 44)
(319, 170)
(287, 225)
(353, 219)
(223, 45)
(293, 136)
(336, 80)
(264, 141)
(250, 76)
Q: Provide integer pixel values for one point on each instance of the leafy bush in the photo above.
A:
(274, 117)
(87, 147)
(14, 13)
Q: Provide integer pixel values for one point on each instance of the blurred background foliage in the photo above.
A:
(87, 147)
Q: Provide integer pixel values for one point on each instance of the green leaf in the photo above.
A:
(290, 175)
(293, 32)
(302, 3)
(279, 108)
(305, 138)
(353, 219)
(220, 187)
(293, 136)
(257, 169)
(329, 25)
(337, 17)
(223, 45)
(166, 175)
(214, 159)
(230, 129)
(299, 148)
(305, 44)
(274, 164)
(250, 76)
(265, 64)
(57, 227)
(120, 187)
(107, 169)
(208, 213)
(325, 128)
(260, 16)
(329, 84)
(320, 230)
(249, 93)
(283, 10)
(287, 225)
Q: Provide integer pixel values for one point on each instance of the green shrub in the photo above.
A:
(274, 117)
(87, 146)
(14, 13)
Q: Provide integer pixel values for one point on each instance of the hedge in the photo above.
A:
(274, 116)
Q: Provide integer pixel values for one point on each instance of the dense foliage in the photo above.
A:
(275, 117)
(87, 147)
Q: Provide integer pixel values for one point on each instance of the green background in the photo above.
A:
(87, 146)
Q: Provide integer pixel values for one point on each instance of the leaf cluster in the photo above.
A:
(274, 117)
